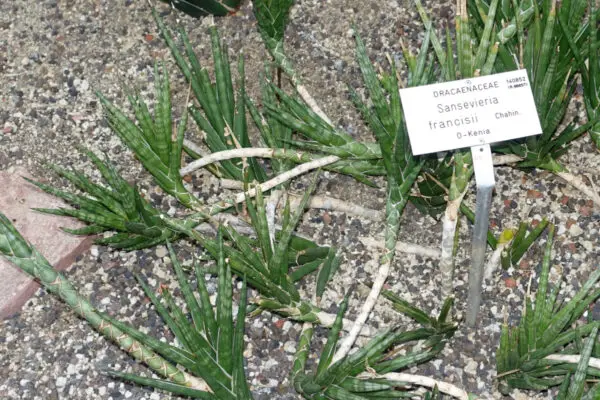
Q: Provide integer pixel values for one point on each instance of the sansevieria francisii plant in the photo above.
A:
(252, 238)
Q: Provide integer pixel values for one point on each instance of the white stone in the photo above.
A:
(471, 367)
(270, 364)
(286, 326)
(61, 381)
(257, 323)
(161, 251)
(520, 396)
(289, 347)
(575, 230)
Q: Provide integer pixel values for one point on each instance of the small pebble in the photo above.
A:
(471, 367)
(289, 347)
(161, 251)
(61, 381)
(575, 230)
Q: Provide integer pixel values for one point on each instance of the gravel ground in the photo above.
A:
(55, 54)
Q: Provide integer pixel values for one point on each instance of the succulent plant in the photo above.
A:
(545, 349)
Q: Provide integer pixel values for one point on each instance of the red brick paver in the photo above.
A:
(17, 197)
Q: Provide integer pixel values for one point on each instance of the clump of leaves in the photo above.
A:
(210, 356)
(161, 358)
(266, 260)
(441, 325)
(372, 371)
(545, 349)
(321, 138)
(117, 206)
(522, 240)
(114, 206)
(212, 342)
(273, 271)
(544, 47)
(272, 17)
(590, 71)
(221, 115)
(151, 138)
(384, 118)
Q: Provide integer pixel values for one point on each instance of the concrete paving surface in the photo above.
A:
(17, 198)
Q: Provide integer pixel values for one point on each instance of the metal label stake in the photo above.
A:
(484, 177)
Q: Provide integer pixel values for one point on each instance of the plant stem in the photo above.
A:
(449, 222)
(494, 261)
(506, 159)
(330, 203)
(425, 381)
(463, 171)
(239, 224)
(271, 207)
(310, 101)
(366, 308)
(270, 184)
(245, 152)
(393, 212)
(403, 247)
(302, 351)
(573, 359)
(275, 47)
(580, 185)
(322, 202)
(397, 198)
(231, 184)
(315, 202)
(195, 148)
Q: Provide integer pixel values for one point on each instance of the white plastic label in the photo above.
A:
(470, 112)
(483, 165)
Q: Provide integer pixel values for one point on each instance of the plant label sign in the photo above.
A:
(470, 112)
